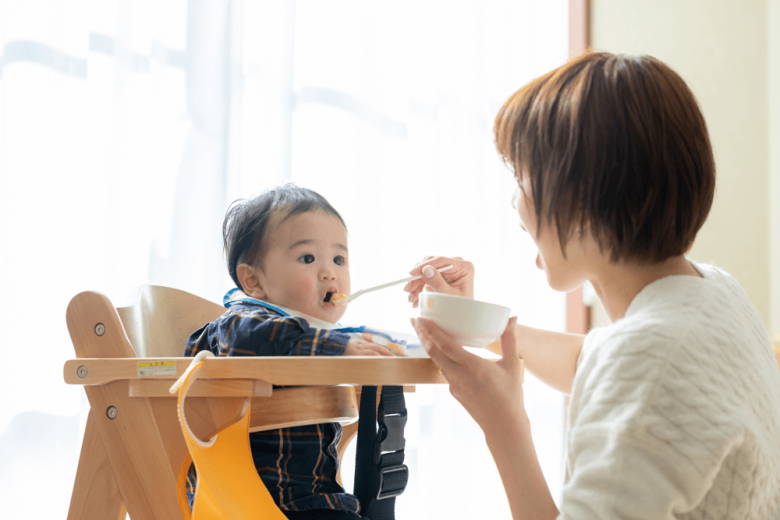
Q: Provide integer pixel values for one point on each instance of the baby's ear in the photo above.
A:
(251, 281)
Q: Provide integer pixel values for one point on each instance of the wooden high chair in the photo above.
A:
(133, 447)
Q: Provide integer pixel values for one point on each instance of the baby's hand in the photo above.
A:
(359, 347)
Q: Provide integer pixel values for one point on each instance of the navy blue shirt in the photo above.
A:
(298, 465)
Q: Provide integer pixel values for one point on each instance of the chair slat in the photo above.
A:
(203, 388)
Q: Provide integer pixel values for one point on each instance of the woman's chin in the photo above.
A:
(565, 284)
(557, 281)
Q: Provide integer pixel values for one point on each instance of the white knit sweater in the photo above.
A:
(675, 409)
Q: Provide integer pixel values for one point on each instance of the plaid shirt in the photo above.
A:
(298, 465)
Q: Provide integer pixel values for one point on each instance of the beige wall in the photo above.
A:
(774, 165)
(721, 49)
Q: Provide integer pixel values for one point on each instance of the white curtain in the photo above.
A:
(128, 126)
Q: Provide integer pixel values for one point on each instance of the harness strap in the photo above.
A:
(380, 474)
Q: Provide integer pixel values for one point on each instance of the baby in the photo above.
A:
(287, 253)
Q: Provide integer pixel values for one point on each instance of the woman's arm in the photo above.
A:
(520, 471)
(492, 393)
(550, 356)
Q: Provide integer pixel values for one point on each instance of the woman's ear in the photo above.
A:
(251, 281)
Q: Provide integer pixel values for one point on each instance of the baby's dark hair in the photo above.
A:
(249, 222)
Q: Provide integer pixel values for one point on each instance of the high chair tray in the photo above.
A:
(282, 371)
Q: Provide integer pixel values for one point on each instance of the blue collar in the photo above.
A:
(236, 295)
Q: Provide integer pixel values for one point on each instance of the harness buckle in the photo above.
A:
(392, 481)
(390, 436)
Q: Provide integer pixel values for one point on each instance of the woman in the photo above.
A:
(675, 406)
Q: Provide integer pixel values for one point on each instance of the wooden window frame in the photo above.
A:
(578, 315)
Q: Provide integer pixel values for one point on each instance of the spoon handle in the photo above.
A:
(390, 284)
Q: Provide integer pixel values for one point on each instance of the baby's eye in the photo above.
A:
(340, 260)
(306, 259)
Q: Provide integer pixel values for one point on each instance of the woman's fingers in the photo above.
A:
(458, 280)
(509, 344)
(510, 359)
(490, 391)
(441, 344)
(418, 267)
(431, 347)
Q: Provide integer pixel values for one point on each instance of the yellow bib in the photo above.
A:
(228, 487)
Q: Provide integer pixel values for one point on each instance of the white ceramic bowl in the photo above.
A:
(471, 322)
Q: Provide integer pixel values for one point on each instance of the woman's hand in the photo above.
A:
(359, 347)
(459, 280)
(491, 391)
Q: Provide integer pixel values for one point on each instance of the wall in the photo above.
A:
(774, 165)
(721, 49)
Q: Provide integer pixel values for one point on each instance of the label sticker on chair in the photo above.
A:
(156, 368)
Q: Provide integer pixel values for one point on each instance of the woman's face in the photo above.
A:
(563, 274)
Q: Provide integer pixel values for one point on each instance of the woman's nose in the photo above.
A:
(515, 194)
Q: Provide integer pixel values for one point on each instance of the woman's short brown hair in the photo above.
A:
(615, 144)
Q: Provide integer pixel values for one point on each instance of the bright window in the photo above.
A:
(128, 127)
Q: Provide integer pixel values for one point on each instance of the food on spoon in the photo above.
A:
(339, 299)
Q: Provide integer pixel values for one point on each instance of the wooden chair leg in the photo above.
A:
(131, 438)
(95, 494)
(135, 449)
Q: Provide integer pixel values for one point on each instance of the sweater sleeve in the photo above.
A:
(241, 332)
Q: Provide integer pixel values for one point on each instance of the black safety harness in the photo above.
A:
(380, 474)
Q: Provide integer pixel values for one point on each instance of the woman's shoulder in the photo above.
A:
(684, 317)
(685, 306)
(686, 337)
(714, 288)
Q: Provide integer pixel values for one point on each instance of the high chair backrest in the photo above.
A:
(161, 319)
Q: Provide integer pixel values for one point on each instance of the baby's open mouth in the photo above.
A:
(335, 298)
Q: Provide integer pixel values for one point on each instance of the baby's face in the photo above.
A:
(306, 259)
